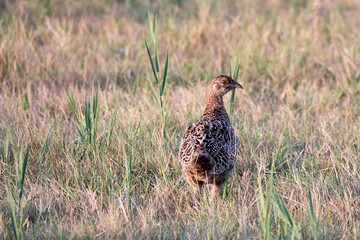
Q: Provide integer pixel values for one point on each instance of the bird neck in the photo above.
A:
(215, 106)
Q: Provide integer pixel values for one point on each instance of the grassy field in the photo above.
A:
(87, 150)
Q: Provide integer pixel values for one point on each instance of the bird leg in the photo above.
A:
(197, 191)
(200, 187)
(217, 190)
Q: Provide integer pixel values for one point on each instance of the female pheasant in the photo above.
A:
(208, 146)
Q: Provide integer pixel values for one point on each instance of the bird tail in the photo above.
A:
(204, 161)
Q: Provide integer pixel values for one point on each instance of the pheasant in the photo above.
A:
(208, 146)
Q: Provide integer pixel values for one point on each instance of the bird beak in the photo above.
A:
(236, 85)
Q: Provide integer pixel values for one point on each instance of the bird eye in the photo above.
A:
(224, 82)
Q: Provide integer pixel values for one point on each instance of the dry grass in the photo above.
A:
(300, 110)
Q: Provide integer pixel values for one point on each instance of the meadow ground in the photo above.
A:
(107, 167)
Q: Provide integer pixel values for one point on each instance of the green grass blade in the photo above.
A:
(237, 66)
(232, 100)
(279, 206)
(235, 76)
(153, 33)
(164, 77)
(157, 59)
(112, 123)
(281, 209)
(136, 85)
(23, 172)
(73, 106)
(7, 141)
(311, 204)
(88, 124)
(151, 28)
(152, 64)
(26, 103)
(95, 103)
(13, 214)
(155, 42)
(270, 187)
(312, 217)
(261, 195)
(80, 134)
(264, 205)
(230, 67)
(95, 114)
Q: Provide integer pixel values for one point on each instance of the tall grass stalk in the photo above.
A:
(15, 194)
(156, 71)
(128, 180)
(112, 123)
(264, 205)
(128, 171)
(313, 220)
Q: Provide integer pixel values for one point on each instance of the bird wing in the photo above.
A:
(224, 139)
(191, 143)
(214, 139)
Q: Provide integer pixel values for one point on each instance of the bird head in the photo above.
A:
(222, 84)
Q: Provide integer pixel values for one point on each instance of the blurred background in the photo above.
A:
(82, 43)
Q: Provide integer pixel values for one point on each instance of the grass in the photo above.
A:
(80, 105)
(155, 70)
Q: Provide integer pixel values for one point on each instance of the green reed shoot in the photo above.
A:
(87, 131)
(156, 71)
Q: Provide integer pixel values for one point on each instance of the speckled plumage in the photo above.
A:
(208, 146)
